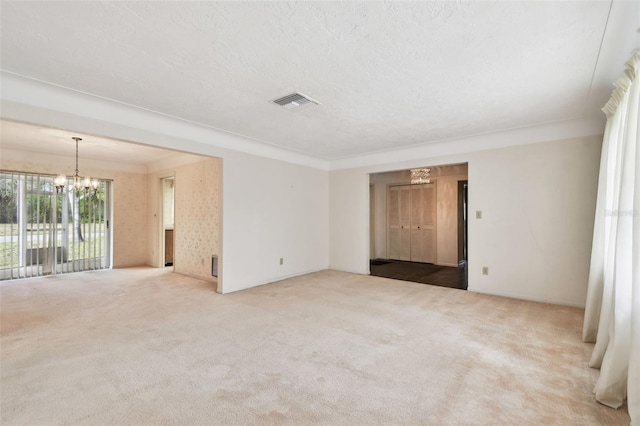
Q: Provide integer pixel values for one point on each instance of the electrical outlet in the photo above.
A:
(282, 260)
(478, 214)
(485, 270)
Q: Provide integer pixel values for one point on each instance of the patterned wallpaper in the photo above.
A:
(130, 240)
(198, 195)
(129, 201)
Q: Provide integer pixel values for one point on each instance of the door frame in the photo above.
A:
(372, 221)
(463, 220)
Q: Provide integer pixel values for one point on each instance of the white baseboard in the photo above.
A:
(530, 298)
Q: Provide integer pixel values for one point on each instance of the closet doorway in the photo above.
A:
(412, 216)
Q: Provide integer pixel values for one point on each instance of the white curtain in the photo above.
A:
(612, 314)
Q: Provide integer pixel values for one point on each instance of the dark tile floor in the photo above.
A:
(424, 273)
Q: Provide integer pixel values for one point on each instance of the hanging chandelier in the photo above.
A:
(79, 183)
(420, 176)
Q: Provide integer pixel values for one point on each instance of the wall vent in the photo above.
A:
(214, 266)
(295, 100)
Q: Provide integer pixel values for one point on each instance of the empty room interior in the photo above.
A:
(319, 212)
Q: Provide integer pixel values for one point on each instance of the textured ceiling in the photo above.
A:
(387, 74)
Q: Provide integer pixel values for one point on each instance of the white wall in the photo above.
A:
(538, 204)
(349, 219)
(272, 209)
(538, 207)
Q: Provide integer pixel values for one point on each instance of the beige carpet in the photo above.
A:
(145, 346)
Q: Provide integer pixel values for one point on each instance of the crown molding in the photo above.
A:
(37, 102)
(501, 139)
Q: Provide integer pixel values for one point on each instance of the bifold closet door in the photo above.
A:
(393, 222)
(399, 216)
(417, 239)
(424, 209)
(412, 222)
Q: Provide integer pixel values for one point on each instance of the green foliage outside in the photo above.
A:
(39, 201)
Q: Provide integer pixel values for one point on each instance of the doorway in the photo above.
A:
(168, 226)
(417, 228)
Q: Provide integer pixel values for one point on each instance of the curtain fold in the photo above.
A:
(612, 312)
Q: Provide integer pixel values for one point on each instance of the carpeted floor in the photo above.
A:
(146, 346)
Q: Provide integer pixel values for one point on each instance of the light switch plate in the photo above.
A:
(478, 214)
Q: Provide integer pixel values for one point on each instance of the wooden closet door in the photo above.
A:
(405, 222)
(429, 221)
(417, 205)
(399, 222)
(412, 213)
(393, 222)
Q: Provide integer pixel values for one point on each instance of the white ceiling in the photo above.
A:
(38, 139)
(388, 74)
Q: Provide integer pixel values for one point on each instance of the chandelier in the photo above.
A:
(79, 183)
(420, 176)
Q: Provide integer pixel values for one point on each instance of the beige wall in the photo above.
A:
(129, 205)
(129, 197)
(197, 214)
(447, 225)
(447, 178)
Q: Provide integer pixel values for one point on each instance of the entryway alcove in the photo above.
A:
(418, 231)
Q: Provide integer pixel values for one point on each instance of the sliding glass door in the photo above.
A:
(44, 231)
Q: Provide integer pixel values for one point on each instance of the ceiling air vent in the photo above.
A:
(295, 100)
